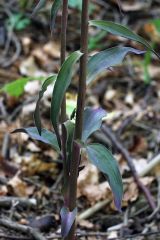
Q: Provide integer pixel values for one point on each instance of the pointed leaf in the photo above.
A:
(120, 30)
(45, 137)
(106, 59)
(92, 121)
(62, 82)
(67, 138)
(55, 7)
(39, 6)
(69, 130)
(67, 220)
(102, 158)
(37, 118)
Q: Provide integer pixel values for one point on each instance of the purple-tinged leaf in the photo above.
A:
(46, 136)
(39, 6)
(107, 59)
(37, 118)
(62, 83)
(123, 31)
(55, 7)
(68, 128)
(67, 140)
(67, 220)
(102, 158)
(92, 121)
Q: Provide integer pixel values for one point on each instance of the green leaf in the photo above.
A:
(120, 30)
(39, 6)
(55, 7)
(92, 121)
(75, 4)
(102, 158)
(67, 220)
(16, 88)
(156, 23)
(106, 59)
(69, 133)
(37, 118)
(46, 136)
(67, 140)
(62, 82)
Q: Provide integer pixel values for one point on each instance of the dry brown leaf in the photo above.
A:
(88, 185)
(86, 224)
(140, 145)
(40, 56)
(52, 49)
(17, 187)
(32, 165)
(3, 190)
(29, 68)
(88, 176)
(131, 193)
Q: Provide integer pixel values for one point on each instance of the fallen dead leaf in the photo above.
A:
(52, 49)
(17, 187)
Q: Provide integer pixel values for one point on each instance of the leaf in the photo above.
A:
(69, 133)
(120, 30)
(92, 121)
(62, 82)
(39, 6)
(102, 158)
(37, 119)
(55, 7)
(16, 88)
(67, 220)
(75, 4)
(67, 138)
(45, 137)
(106, 59)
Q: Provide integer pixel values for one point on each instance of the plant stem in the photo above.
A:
(83, 70)
(79, 115)
(63, 50)
(64, 21)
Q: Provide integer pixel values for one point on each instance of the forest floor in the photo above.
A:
(31, 172)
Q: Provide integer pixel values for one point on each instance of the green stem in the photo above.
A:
(63, 50)
(74, 168)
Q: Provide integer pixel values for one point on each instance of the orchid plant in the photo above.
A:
(71, 133)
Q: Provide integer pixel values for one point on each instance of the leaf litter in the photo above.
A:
(133, 113)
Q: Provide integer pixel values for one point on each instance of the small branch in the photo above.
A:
(128, 158)
(8, 201)
(2, 236)
(153, 163)
(21, 228)
(92, 210)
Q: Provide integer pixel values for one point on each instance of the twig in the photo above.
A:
(5, 146)
(90, 211)
(105, 234)
(21, 228)
(154, 162)
(128, 158)
(156, 211)
(14, 238)
(8, 201)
